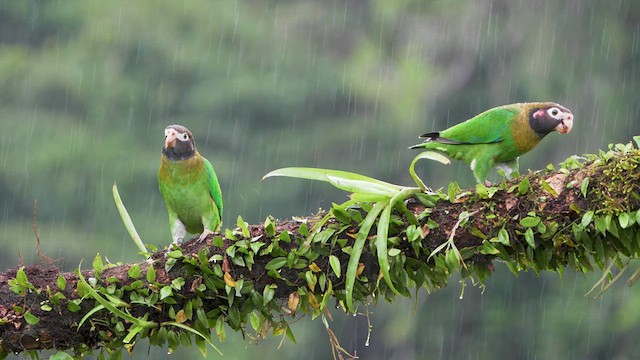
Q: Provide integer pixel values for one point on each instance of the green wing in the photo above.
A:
(486, 128)
(214, 186)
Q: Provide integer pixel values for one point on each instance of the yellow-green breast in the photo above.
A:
(184, 185)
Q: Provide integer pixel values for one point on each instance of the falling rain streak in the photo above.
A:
(88, 88)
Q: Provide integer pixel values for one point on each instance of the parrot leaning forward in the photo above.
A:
(497, 137)
(189, 186)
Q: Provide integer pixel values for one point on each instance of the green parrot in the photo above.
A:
(497, 137)
(189, 186)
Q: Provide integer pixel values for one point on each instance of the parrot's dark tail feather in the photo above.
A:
(435, 137)
(430, 136)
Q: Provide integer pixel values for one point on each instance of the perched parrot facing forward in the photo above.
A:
(189, 186)
(498, 136)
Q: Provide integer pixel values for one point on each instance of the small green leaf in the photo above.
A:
(269, 227)
(637, 141)
(488, 249)
(268, 293)
(46, 307)
(340, 213)
(276, 263)
(477, 233)
(73, 305)
(303, 229)
(218, 241)
(57, 297)
(584, 186)
(624, 220)
(323, 236)
(228, 233)
(503, 237)
(219, 328)
(134, 271)
(98, 265)
(175, 254)
(151, 274)
(30, 318)
(452, 189)
(530, 221)
(587, 217)
(21, 276)
(61, 282)
(255, 320)
(289, 334)
(177, 283)
(608, 222)
(335, 264)
(601, 225)
(481, 190)
(524, 186)
(394, 252)
(547, 187)
(312, 280)
(165, 292)
(244, 226)
(452, 260)
(528, 236)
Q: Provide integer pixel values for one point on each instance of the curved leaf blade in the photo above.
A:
(354, 259)
(381, 245)
(322, 175)
(371, 198)
(126, 220)
(431, 155)
(361, 186)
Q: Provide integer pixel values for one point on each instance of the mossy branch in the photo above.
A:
(258, 278)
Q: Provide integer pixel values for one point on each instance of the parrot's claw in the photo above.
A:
(205, 234)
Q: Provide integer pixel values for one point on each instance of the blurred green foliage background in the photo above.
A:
(86, 89)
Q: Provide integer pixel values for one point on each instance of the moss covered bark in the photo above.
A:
(255, 278)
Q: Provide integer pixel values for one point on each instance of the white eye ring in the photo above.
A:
(555, 113)
(183, 136)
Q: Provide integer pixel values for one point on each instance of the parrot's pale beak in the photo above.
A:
(565, 125)
(170, 139)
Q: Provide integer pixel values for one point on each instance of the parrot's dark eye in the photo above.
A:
(554, 112)
(184, 137)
